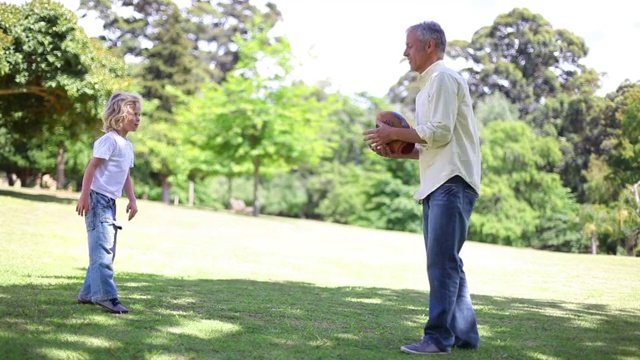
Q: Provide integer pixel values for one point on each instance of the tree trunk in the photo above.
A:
(229, 187)
(192, 193)
(60, 167)
(256, 187)
(631, 242)
(166, 189)
(594, 242)
(27, 179)
(636, 195)
(10, 178)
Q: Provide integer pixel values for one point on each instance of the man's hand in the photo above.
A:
(379, 136)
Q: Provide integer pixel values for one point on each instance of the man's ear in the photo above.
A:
(430, 44)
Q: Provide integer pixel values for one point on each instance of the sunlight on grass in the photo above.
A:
(204, 329)
(347, 336)
(366, 301)
(137, 284)
(62, 354)
(91, 341)
(184, 301)
(283, 342)
(544, 357)
(104, 319)
(320, 343)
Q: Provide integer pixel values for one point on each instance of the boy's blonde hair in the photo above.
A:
(120, 104)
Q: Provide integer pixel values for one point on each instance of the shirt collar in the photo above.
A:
(423, 79)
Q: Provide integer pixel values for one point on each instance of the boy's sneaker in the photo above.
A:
(113, 306)
(424, 347)
(84, 301)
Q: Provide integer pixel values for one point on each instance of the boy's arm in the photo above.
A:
(83, 203)
(132, 207)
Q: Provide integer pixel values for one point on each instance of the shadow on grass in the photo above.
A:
(174, 318)
(33, 196)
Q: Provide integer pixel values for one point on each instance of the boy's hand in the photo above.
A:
(132, 209)
(83, 205)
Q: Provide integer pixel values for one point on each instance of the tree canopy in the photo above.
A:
(51, 73)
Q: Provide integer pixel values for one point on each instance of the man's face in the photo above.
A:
(417, 53)
(132, 121)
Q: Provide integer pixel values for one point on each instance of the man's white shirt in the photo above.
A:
(446, 123)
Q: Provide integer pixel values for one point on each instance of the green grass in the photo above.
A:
(214, 285)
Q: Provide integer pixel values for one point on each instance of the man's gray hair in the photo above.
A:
(430, 30)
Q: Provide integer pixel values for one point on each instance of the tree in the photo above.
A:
(130, 25)
(214, 27)
(257, 119)
(169, 62)
(168, 71)
(624, 162)
(524, 57)
(176, 51)
(522, 203)
(584, 125)
(51, 73)
(404, 93)
(352, 115)
(53, 78)
(624, 157)
(495, 107)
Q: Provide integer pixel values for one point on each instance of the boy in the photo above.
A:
(105, 177)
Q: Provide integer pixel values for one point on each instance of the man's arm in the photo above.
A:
(404, 134)
(442, 107)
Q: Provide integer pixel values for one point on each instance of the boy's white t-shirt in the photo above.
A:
(110, 177)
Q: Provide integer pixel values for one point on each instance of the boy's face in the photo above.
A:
(132, 120)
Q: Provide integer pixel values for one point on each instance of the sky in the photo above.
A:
(357, 44)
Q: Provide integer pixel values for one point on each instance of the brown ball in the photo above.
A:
(394, 119)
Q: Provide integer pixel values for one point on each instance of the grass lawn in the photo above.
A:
(214, 285)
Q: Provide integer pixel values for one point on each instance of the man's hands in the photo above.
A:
(378, 138)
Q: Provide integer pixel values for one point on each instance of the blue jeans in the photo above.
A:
(102, 230)
(446, 212)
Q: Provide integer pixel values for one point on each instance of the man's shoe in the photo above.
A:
(85, 301)
(113, 306)
(424, 347)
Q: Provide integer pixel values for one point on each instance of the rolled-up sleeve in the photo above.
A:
(441, 109)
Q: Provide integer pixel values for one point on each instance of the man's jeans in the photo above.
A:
(446, 213)
(102, 231)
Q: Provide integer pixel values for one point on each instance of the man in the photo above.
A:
(448, 149)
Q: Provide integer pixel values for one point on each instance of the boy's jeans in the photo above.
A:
(102, 230)
(446, 213)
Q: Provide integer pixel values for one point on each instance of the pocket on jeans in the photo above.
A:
(110, 221)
